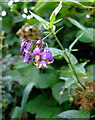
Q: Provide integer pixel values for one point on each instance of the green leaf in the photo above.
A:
(27, 90)
(52, 20)
(74, 1)
(69, 82)
(58, 20)
(65, 74)
(44, 22)
(74, 114)
(80, 68)
(16, 113)
(56, 52)
(15, 75)
(19, 64)
(76, 23)
(88, 35)
(54, 13)
(56, 92)
(17, 19)
(30, 74)
(47, 82)
(10, 39)
(71, 46)
(46, 105)
(72, 58)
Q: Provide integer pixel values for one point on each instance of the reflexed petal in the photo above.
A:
(27, 57)
(43, 64)
(36, 51)
(21, 51)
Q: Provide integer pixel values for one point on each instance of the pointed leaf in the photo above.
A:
(16, 113)
(26, 95)
(76, 23)
(71, 46)
(44, 22)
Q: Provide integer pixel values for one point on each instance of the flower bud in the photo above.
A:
(71, 99)
(61, 93)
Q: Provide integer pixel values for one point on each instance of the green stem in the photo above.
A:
(57, 40)
(73, 69)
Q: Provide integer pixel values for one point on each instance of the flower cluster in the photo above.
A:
(40, 55)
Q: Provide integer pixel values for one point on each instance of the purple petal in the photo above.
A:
(21, 51)
(27, 57)
(36, 51)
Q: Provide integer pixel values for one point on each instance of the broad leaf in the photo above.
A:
(56, 52)
(80, 68)
(42, 106)
(56, 92)
(69, 82)
(74, 114)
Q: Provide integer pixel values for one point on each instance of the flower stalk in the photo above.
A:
(69, 61)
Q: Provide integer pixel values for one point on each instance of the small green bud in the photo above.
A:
(61, 93)
(71, 99)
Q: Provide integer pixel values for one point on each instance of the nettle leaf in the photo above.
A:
(56, 92)
(56, 52)
(75, 114)
(44, 22)
(46, 105)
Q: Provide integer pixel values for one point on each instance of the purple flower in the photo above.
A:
(25, 46)
(27, 57)
(37, 51)
(41, 55)
(48, 56)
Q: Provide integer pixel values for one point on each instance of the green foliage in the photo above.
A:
(74, 114)
(42, 105)
(16, 113)
(56, 93)
(69, 22)
(26, 95)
